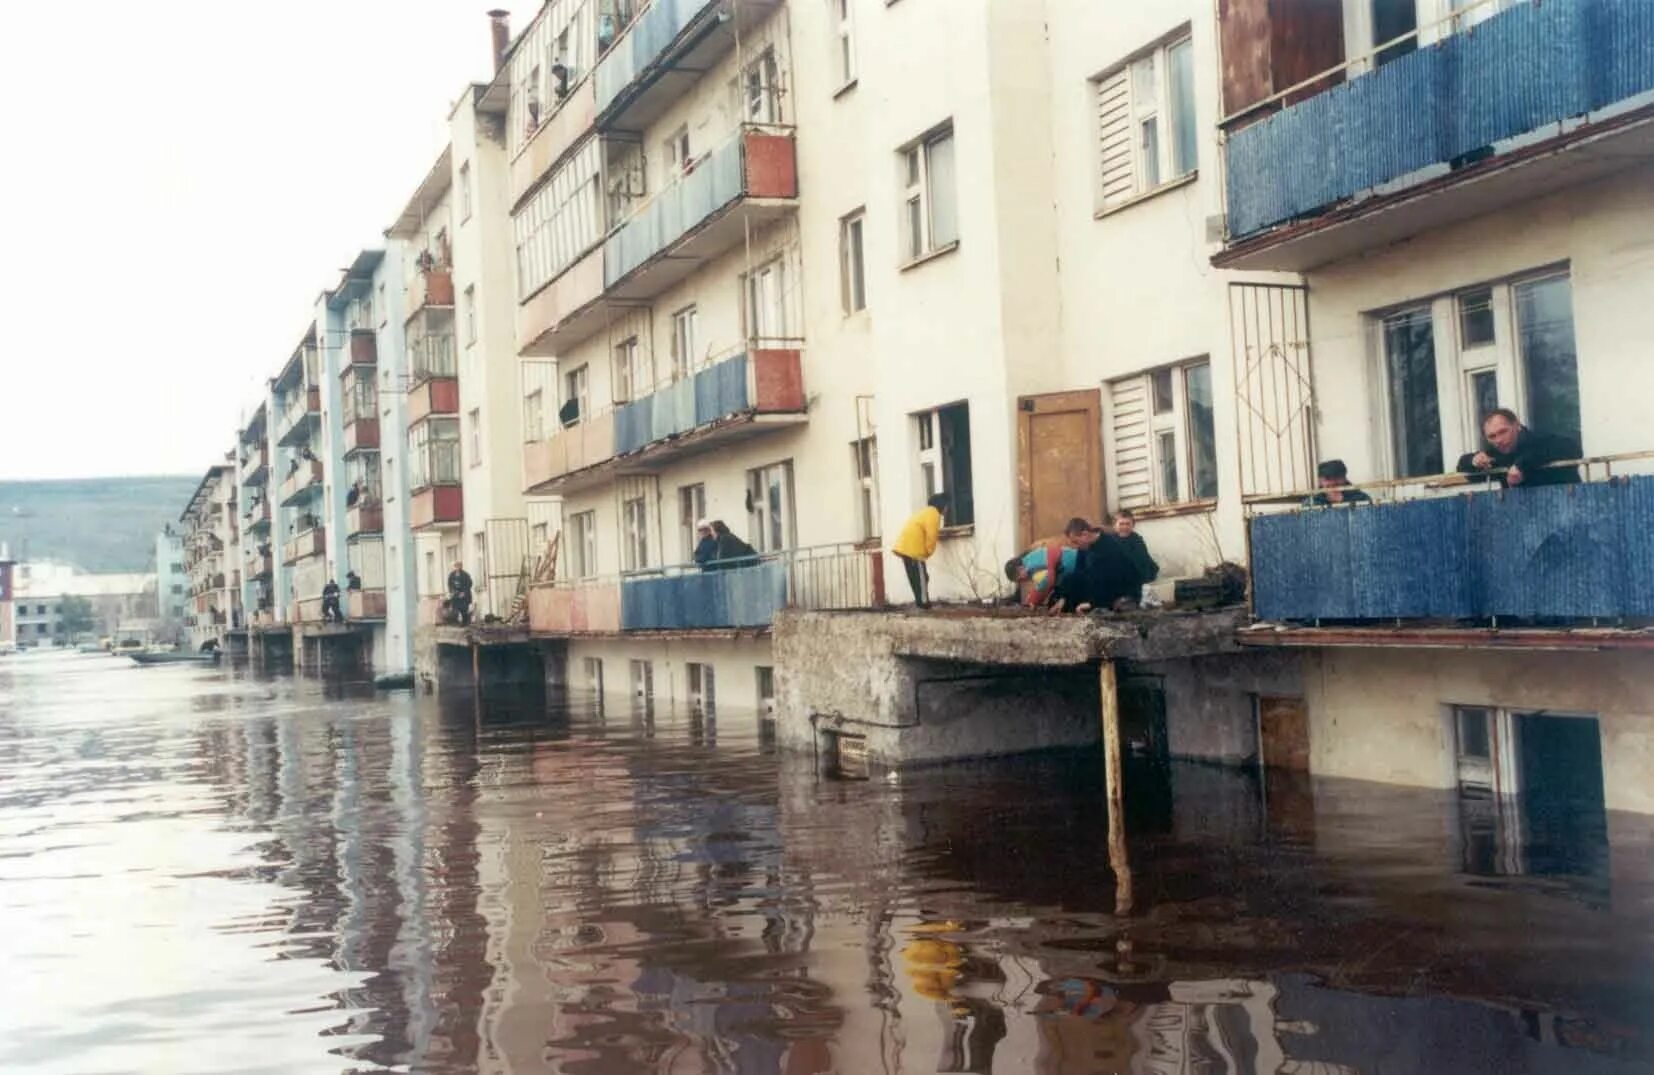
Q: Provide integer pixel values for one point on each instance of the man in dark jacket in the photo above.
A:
(1334, 479)
(331, 613)
(732, 551)
(1105, 577)
(459, 593)
(1521, 454)
(1125, 528)
(706, 545)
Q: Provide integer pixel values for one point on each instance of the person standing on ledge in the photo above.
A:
(1523, 454)
(916, 544)
(459, 593)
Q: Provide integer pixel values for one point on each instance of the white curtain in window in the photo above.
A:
(944, 203)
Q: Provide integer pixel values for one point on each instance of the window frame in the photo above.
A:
(470, 315)
(842, 18)
(915, 168)
(1171, 471)
(473, 423)
(765, 109)
(852, 261)
(686, 330)
(760, 303)
(938, 466)
(691, 509)
(762, 518)
(576, 384)
(582, 554)
(1168, 111)
(864, 460)
(465, 192)
(634, 532)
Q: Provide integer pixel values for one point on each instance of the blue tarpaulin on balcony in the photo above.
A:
(1559, 551)
(739, 597)
(716, 182)
(645, 41)
(1534, 64)
(715, 392)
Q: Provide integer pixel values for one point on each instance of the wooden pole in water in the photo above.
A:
(1113, 779)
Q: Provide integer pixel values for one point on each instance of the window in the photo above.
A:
(770, 514)
(465, 192)
(1165, 444)
(844, 41)
(473, 426)
(534, 416)
(864, 455)
(479, 560)
(582, 548)
(761, 89)
(592, 668)
(703, 689)
(691, 509)
(538, 535)
(1449, 361)
(677, 153)
(433, 454)
(576, 391)
(632, 374)
(852, 277)
(1391, 19)
(634, 527)
(433, 579)
(765, 676)
(561, 221)
(1146, 130)
(929, 209)
(686, 325)
(766, 303)
(471, 314)
(945, 460)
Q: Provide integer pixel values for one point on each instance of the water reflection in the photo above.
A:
(206, 871)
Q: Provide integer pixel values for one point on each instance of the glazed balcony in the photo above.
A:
(666, 49)
(556, 135)
(730, 401)
(430, 289)
(365, 604)
(301, 484)
(364, 518)
(305, 544)
(1558, 553)
(750, 181)
(1345, 160)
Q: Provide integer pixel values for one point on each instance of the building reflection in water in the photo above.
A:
(533, 888)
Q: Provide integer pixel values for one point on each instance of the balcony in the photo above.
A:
(581, 608)
(732, 400)
(689, 598)
(261, 565)
(433, 396)
(664, 52)
(574, 117)
(305, 610)
(430, 288)
(361, 434)
(364, 518)
(1452, 130)
(364, 347)
(1558, 552)
(258, 519)
(307, 543)
(301, 415)
(436, 505)
(750, 180)
(254, 465)
(365, 604)
(302, 483)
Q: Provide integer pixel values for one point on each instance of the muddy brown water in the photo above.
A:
(209, 871)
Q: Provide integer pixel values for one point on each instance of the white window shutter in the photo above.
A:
(1117, 179)
(1130, 455)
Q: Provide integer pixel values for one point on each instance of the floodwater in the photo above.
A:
(207, 871)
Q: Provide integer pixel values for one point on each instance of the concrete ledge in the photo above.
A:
(482, 635)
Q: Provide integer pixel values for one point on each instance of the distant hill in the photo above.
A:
(97, 524)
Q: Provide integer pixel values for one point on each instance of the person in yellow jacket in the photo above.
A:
(917, 543)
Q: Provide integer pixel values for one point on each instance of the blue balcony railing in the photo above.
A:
(1534, 64)
(686, 597)
(1572, 552)
(713, 393)
(642, 47)
(717, 180)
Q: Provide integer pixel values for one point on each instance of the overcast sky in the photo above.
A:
(181, 179)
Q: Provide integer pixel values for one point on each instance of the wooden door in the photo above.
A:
(1059, 461)
(1283, 733)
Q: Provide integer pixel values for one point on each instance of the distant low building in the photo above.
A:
(121, 603)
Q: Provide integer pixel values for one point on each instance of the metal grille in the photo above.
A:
(1274, 387)
(507, 566)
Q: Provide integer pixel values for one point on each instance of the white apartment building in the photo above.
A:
(171, 580)
(211, 537)
(259, 552)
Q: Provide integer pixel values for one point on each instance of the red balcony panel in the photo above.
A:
(433, 287)
(362, 433)
(365, 604)
(439, 395)
(772, 167)
(364, 519)
(435, 505)
(364, 347)
(778, 377)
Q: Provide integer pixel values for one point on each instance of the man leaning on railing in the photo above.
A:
(1517, 455)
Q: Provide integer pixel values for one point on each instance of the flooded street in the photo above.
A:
(206, 871)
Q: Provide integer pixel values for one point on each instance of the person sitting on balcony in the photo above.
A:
(732, 551)
(1105, 577)
(706, 545)
(353, 582)
(459, 593)
(331, 613)
(1334, 479)
(916, 544)
(353, 494)
(1522, 455)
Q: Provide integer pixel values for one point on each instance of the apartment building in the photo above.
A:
(211, 536)
(1472, 234)
(259, 552)
(171, 581)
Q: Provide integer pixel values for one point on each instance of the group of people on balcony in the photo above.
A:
(1513, 456)
(332, 611)
(717, 549)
